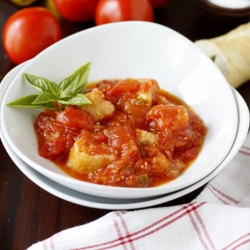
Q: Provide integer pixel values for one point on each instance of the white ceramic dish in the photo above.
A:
(225, 11)
(129, 49)
(231, 4)
(116, 204)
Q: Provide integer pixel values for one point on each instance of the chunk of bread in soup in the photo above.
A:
(100, 108)
(81, 161)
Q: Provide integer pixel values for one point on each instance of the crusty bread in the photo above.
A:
(100, 108)
(231, 53)
(81, 161)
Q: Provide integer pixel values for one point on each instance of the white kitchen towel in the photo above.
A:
(219, 218)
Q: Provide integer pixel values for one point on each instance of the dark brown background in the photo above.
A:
(29, 214)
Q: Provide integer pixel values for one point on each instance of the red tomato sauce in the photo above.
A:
(149, 137)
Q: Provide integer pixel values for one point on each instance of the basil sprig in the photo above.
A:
(56, 96)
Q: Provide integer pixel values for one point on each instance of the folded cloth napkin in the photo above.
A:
(219, 218)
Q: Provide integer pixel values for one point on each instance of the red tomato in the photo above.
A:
(76, 10)
(121, 89)
(158, 3)
(75, 119)
(118, 136)
(136, 113)
(29, 31)
(109, 11)
(53, 147)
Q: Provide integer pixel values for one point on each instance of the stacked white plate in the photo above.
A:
(178, 66)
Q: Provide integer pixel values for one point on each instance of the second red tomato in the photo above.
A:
(29, 31)
(109, 11)
(76, 10)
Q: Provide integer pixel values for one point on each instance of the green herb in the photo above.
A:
(143, 179)
(56, 96)
(143, 144)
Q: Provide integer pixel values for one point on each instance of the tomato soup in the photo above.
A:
(132, 135)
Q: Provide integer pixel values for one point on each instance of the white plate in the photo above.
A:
(177, 64)
(116, 204)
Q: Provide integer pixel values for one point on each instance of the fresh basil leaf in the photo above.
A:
(69, 91)
(26, 102)
(66, 87)
(83, 73)
(79, 99)
(41, 84)
(54, 89)
(76, 83)
(44, 98)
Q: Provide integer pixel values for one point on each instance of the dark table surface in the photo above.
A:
(28, 213)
